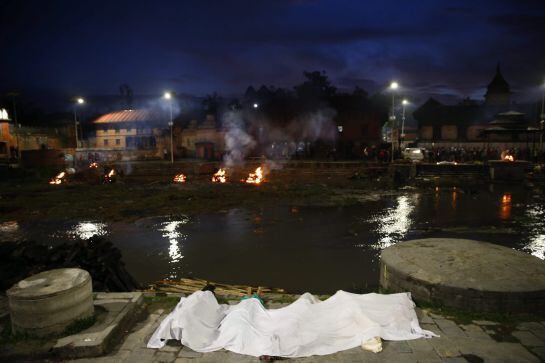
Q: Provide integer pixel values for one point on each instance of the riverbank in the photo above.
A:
(35, 199)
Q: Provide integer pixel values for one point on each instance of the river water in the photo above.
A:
(317, 249)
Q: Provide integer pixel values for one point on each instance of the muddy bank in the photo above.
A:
(128, 201)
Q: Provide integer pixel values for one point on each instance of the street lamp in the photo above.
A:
(542, 123)
(404, 103)
(168, 96)
(256, 105)
(393, 86)
(79, 101)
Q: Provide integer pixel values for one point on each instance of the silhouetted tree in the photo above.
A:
(127, 94)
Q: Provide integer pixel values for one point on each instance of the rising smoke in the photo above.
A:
(307, 128)
(238, 143)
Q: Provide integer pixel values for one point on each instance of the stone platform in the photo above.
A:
(465, 274)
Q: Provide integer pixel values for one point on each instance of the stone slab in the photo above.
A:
(121, 312)
(465, 274)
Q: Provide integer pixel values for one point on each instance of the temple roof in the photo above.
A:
(498, 83)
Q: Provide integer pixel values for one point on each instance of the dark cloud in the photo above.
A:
(431, 47)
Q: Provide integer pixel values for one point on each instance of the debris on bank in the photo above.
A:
(190, 285)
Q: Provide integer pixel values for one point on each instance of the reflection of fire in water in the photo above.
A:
(93, 165)
(505, 208)
(220, 176)
(59, 179)
(180, 178)
(256, 177)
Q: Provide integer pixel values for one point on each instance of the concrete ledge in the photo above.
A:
(465, 274)
(121, 312)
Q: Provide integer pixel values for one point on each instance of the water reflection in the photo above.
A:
(394, 224)
(505, 207)
(10, 231)
(9, 227)
(536, 228)
(170, 230)
(86, 230)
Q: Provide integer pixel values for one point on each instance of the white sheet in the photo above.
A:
(304, 328)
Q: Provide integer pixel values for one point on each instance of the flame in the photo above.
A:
(256, 177)
(220, 176)
(108, 177)
(58, 179)
(93, 165)
(508, 158)
(180, 178)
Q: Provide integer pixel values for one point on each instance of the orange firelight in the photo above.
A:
(58, 179)
(180, 178)
(220, 176)
(256, 177)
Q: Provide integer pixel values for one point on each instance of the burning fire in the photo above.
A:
(93, 165)
(508, 158)
(180, 178)
(108, 177)
(220, 176)
(256, 177)
(58, 179)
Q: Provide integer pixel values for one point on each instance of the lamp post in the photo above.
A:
(542, 122)
(404, 103)
(168, 96)
(79, 101)
(393, 86)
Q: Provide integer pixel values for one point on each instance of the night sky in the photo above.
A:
(445, 48)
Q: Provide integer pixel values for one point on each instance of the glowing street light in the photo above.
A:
(394, 85)
(79, 101)
(168, 96)
(256, 105)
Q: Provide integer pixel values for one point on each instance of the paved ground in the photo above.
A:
(476, 342)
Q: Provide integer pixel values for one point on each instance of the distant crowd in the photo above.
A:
(467, 155)
(457, 154)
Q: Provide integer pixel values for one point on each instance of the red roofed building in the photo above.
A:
(129, 129)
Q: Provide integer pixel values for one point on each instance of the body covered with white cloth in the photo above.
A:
(306, 327)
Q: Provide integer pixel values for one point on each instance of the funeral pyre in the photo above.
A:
(59, 179)
(256, 177)
(180, 178)
(220, 176)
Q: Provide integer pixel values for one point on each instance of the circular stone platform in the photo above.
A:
(49, 301)
(465, 274)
